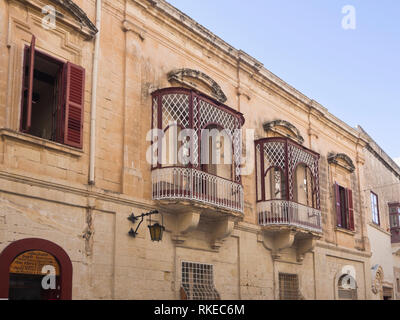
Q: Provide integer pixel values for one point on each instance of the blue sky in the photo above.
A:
(353, 73)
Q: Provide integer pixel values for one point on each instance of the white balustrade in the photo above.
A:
(191, 184)
(282, 212)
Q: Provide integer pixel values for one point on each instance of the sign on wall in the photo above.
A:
(32, 262)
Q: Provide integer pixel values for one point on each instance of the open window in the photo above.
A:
(344, 207)
(216, 152)
(304, 186)
(52, 98)
(275, 184)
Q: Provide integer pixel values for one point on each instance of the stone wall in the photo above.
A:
(44, 190)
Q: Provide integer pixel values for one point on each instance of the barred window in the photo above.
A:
(198, 282)
(289, 286)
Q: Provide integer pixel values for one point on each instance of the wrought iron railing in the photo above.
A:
(191, 184)
(282, 212)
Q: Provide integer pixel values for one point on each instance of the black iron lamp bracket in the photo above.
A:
(133, 219)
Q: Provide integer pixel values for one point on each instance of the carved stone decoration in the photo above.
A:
(78, 14)
(271, 125)
(88, 233)
(181, 75)
(276, 242)
(187, 222)
(304, 246)
(377, 282)
(222, 230)
(342, 160)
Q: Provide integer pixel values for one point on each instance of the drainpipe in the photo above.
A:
(94, 95)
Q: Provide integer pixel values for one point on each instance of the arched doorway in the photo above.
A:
(35, 269)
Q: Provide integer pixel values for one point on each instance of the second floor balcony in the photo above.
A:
(287, 185)
(189, 184)
(197, 152)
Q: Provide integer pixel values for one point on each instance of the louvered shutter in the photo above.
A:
(75, 97)
(337, 205)
(26, 114)
(350, 209)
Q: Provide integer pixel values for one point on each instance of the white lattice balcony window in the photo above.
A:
(287, 184)
(210, 173)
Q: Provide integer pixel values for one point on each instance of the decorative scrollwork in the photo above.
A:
(285, 124)
(348, 163)
(179, 75)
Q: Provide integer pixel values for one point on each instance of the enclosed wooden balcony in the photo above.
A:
(287, 185)
(206, 178)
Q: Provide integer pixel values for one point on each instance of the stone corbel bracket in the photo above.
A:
(278, 241)
(183, 75)
(187, 222)
(222, 230)
(342, 160)
(304, 246)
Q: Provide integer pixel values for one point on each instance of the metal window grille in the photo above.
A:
(198, 281)
(350, 291)
(289, 287)
(348, 294)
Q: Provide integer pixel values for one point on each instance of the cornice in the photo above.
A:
(88, 191)
(81, 22)
(253, 67)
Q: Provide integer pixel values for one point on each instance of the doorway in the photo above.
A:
(35, 269)
(34, 275)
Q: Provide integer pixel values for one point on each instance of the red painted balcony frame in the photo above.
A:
(195, 119)
(199, 112)
(288, 155)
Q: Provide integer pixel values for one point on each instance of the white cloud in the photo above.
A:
(397, 160)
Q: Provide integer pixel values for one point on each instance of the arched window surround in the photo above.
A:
(20, 246)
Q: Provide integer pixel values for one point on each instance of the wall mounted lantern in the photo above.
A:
(156, 230)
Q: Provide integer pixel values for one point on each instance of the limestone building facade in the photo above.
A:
(381, 189)
(286, 219)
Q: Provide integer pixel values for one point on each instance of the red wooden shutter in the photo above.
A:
(350, 209)
(337, 205)
(75, 98)
(26, 112)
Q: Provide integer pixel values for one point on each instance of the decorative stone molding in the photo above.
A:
(377, 282)
(278, 241)
(223, 229)
(187, 222)
(342, 160)
(181, 75)
(271, 126)
(304, 246)
(76, 12)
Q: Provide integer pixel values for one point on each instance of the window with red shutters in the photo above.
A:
(27, 86)
(344, 207)
(52, 98)
(75, 91)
